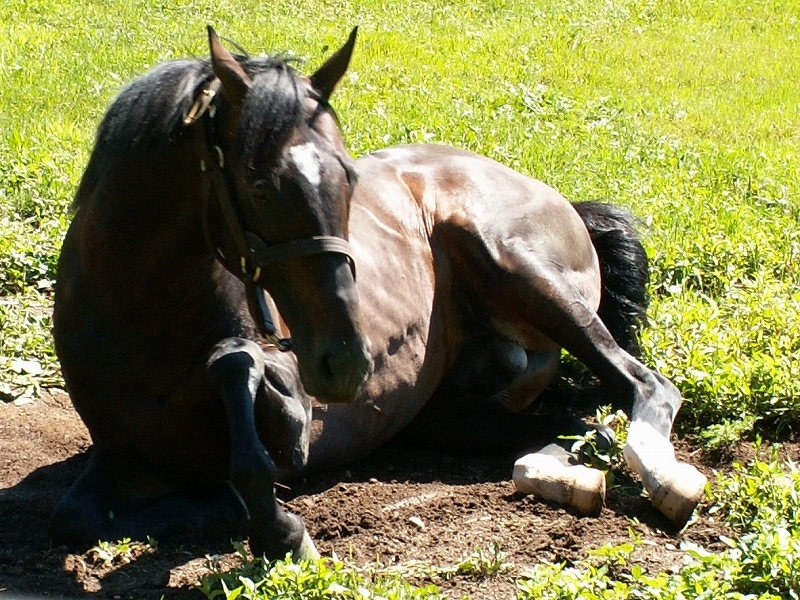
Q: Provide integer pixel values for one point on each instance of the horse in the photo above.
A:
(220, 211)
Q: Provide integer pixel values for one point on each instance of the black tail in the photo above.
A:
(624, 270)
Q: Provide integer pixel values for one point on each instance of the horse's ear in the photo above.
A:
(234, 80)
(328, 75)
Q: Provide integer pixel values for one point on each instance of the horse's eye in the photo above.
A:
(261, 187)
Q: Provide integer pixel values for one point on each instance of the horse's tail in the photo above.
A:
(624, 271)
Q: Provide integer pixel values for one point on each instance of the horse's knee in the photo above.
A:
(233, 358)
(236, 350)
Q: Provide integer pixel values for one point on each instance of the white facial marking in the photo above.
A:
(306, 159)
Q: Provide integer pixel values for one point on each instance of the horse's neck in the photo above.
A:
(143, 241)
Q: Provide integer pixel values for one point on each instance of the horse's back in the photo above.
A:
(503, 214)
(501, 205)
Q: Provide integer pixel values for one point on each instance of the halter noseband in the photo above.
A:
(254, 253)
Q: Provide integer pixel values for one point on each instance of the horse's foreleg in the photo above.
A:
(236, 369)
(115, 498)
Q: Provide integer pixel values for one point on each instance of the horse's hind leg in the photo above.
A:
(236, 369)
(530, 297)
(675, 488)
(478, 407)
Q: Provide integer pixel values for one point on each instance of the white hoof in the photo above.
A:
(675, 488)
(681, 489)
(545, 477)
(307, 549)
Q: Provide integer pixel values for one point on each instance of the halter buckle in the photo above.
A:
(203, 103)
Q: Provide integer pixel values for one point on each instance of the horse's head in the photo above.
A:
(290, 179)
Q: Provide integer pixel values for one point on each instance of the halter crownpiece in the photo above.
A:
(254, 253)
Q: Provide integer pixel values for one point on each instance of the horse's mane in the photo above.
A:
(149, 111)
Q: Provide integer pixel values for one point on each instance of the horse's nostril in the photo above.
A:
(339, 375)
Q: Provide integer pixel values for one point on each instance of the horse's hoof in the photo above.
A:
(307, 549)
(286, 536)
(544, 476)
(675, 488)
(679, 493)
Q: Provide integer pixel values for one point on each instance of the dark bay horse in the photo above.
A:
(212, 181)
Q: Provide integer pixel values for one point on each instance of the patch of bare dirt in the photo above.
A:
(399, 506)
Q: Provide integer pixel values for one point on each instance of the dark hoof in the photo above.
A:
(288, 536)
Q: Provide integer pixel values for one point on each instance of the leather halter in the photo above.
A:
(254, 253)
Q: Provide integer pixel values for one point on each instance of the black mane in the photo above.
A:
(149, 111)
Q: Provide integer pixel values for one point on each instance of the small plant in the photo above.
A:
(764, 491)
(121, 552)
(485, 563)
(596, 450)
(590, 579)
(27, 357)
(728, 432)
(319, 579)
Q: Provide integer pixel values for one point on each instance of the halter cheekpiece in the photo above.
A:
(254, 253)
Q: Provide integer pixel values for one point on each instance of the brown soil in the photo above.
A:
(400, 506)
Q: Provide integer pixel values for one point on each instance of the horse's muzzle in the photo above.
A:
(338, 371)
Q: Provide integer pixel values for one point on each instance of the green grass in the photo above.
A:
(307, 580)
(686, 112)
